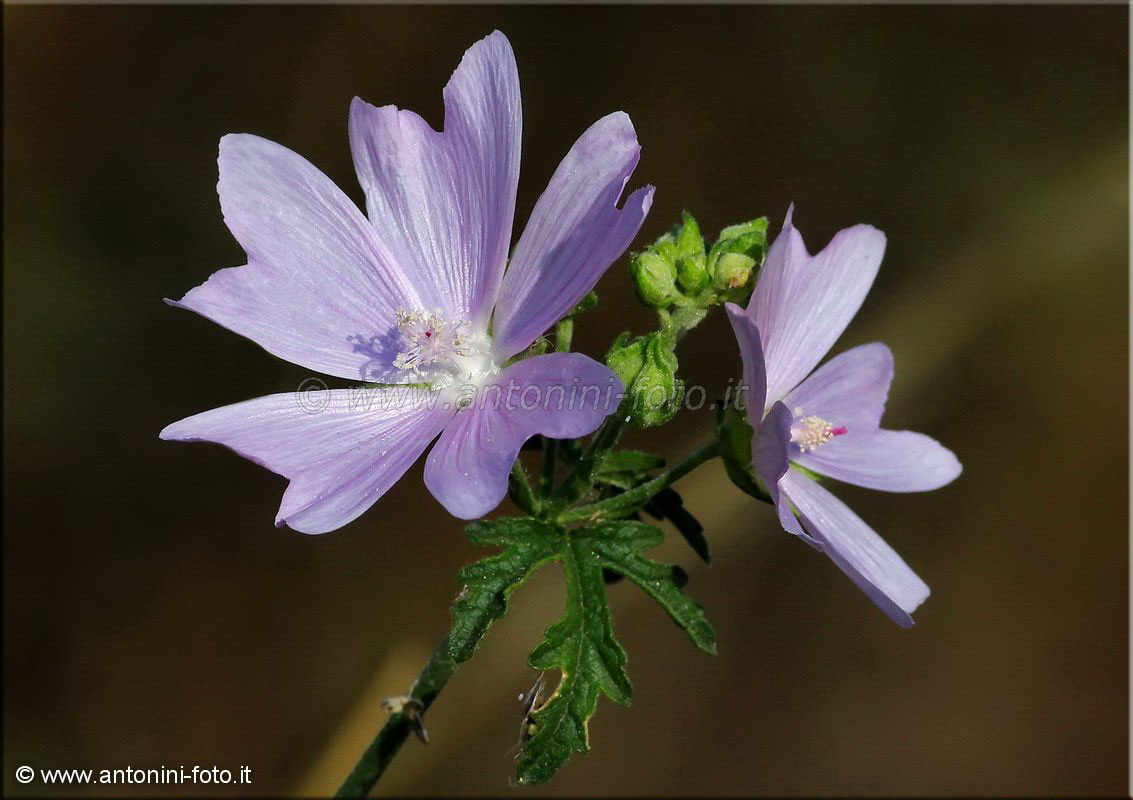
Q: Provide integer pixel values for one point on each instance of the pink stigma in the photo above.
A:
(838, 431)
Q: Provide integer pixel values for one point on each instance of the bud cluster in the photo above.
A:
(682, 279)
(679, 276)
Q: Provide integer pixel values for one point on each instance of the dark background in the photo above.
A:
(153, 616)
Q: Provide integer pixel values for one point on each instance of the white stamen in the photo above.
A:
(811, 432)
(444, 348)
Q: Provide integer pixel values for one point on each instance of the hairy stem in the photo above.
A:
(520, 489)
(564, 331)
(393, 734)
(632, 500)
(581, 478)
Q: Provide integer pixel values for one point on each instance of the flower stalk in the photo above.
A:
(633, 500)
(377, 757)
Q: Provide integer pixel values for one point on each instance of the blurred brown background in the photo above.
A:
(153, 616)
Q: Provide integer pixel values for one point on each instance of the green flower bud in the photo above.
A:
(689, 242)
(733, 271)
(647, 367)
(692, 273)
(747, 238)
(626, 357)
(654, 277)
(657, 391)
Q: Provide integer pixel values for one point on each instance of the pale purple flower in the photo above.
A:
(829, 423)
(415, 294)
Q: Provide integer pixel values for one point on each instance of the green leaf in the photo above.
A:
(581, 644)
(667, 504)
(489, 582)
(620, 480)
(582, 647)
(630, 461)
(618, 545)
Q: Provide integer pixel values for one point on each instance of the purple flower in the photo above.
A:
(830, 422)
(415, 294)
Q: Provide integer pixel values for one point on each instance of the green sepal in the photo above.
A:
(488, 583)
(589, 301)
(734, 435)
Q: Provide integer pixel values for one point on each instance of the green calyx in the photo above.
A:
(647, 367)
(734, 438)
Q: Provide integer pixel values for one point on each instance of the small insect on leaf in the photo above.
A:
(532, 699)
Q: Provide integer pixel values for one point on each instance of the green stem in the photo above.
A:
(393, 734)
(520, 489)
(564, 331)
(550, 454)
(632, 500)
(581, 478)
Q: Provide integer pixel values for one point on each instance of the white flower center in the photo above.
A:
(441, 350)
(811, 432)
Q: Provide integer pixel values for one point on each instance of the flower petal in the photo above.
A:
(342, 449)
(319, 289)
(444, 203)
(803, 303)
(893, 461)
(769, 449)
(849, 390)
(561, 395)
(575, 232)
(857, 550)
(751, 354)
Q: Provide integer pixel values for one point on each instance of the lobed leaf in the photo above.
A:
(582, 647)
(528, 544)
(618, 545)
(667, 504)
